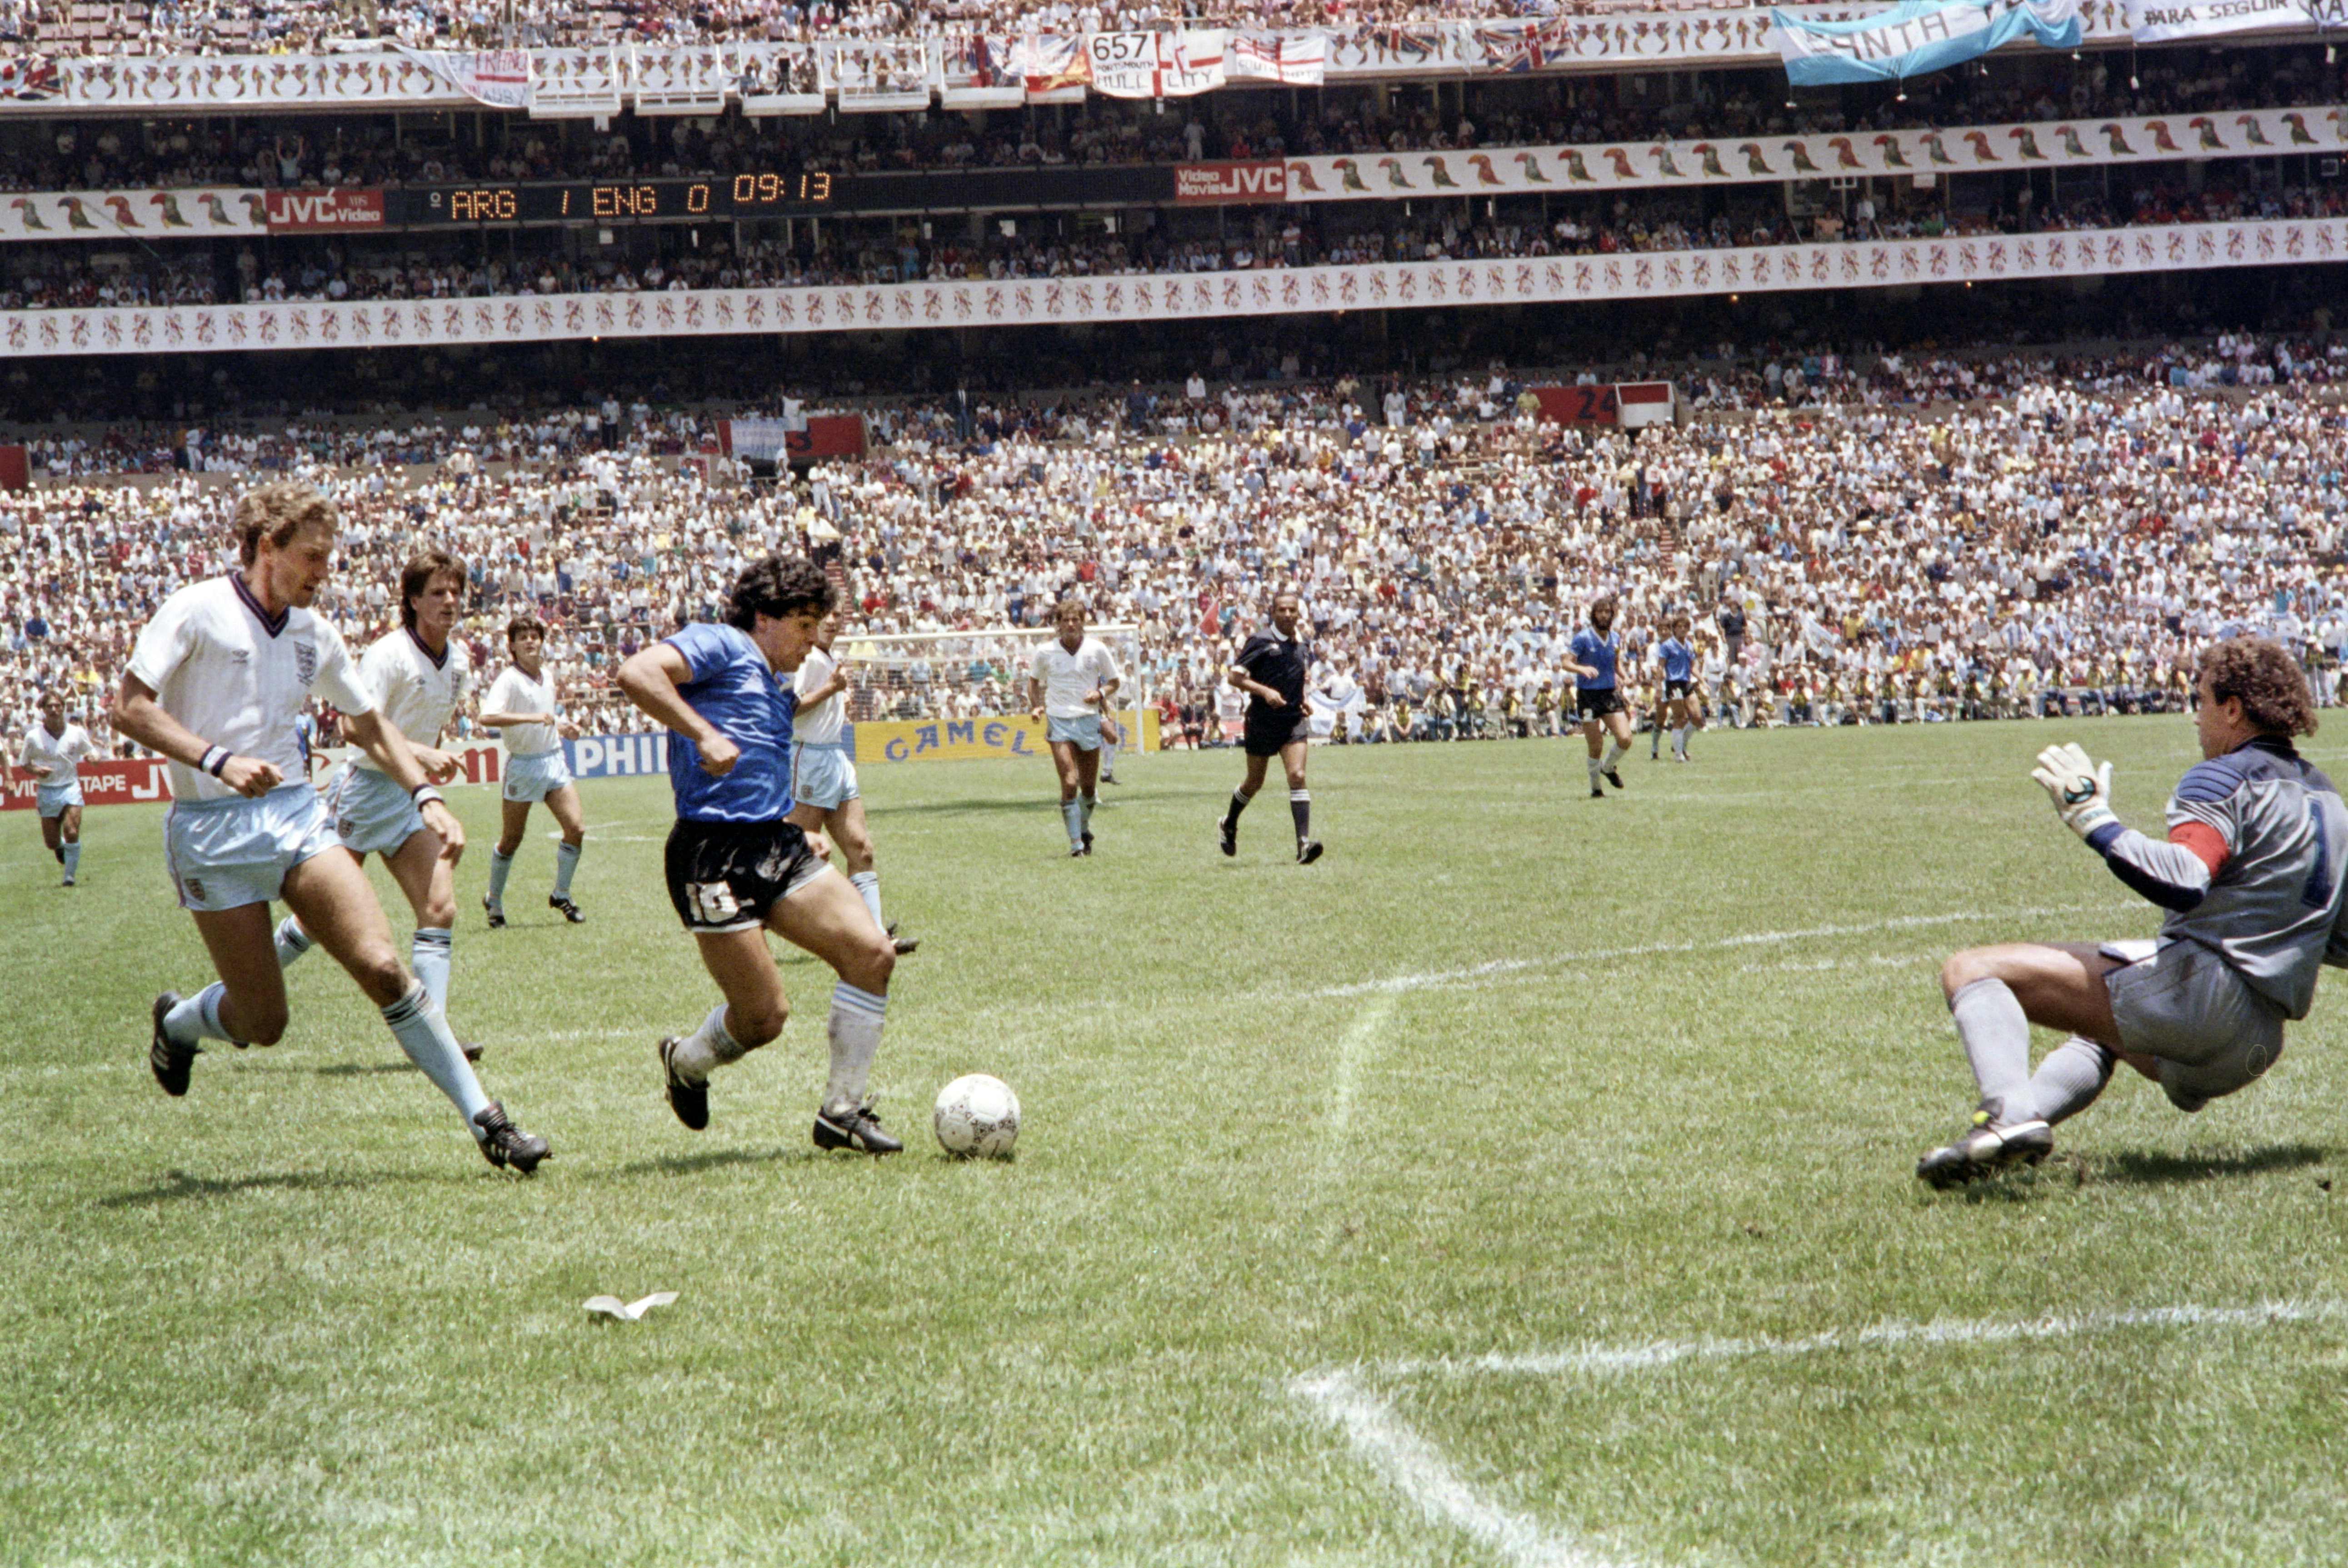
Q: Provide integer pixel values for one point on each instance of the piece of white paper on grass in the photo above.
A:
(629, 1311)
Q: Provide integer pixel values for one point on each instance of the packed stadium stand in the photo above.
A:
(1992, 392)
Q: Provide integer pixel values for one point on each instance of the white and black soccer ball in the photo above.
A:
(977, 1117)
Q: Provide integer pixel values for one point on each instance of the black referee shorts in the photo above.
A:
(1270, 737)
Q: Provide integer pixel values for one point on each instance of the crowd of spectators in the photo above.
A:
(2066, 532)
(65, 276)
(266, 151)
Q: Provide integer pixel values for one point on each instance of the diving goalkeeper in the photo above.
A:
(2250, 876)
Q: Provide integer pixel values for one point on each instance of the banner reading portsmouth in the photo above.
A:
(2158, 21)
(1915, 37)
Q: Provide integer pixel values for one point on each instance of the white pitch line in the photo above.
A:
(1416, 1469)
(1715, 944)
(1419, 1470)
(1945, 1331)
(1353, 1050)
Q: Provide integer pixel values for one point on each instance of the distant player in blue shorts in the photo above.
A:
(1676, 660)
(739, 867)
(53, 753)
(1592, 656)
(214, 683)
(524, 703)
(2252, 876)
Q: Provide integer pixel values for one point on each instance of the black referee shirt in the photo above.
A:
(1280, 663)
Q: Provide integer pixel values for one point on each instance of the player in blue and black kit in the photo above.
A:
(1678, 708)
(738, 869)
(1591, 658)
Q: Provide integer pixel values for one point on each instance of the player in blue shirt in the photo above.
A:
(1678, 708)
(1591, 658)
(738, 869)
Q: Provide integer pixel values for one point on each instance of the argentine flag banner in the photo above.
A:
(1915, 37)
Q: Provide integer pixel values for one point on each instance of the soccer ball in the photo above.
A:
(977, 1115)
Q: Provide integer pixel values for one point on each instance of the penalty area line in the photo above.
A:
(1382, 1439)
(1715, 944)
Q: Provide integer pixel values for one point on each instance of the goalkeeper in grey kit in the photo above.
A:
(2251, 874)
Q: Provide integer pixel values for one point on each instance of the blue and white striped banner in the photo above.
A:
(1916, 38)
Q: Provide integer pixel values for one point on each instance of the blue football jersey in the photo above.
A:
(1597, 652)
(1679, 660)
(733, 687)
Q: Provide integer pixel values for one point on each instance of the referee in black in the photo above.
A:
(1271, 669)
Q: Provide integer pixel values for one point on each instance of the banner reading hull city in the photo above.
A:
(1147, 296)
(1916, 38)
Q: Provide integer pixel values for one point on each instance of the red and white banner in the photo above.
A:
(1896, 154)
(1292, 59)
(195, 214)
(1228, 184)
(1645, 403)
(126, 783)
(1153, 296)
(323, 211)
(1156, 64)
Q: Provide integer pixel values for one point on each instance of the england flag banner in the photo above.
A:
(2159, 21)
(1915, 37)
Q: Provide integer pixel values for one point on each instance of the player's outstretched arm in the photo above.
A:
(2175, 874)
(139, 716)
(651, 679)
(396, 757)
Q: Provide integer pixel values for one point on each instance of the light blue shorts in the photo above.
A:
(53, 802)
(373, 815)
(223, 854)
(1084, 733)
(822, 775)
(536, 776)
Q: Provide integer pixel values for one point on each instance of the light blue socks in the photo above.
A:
(1072, 812)
(868, 887)
(291, 941)
(417, 1024)
(429, 954)
(566, 860)
(73, 860)
(500, 868)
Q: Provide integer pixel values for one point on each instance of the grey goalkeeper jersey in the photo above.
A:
(2272, 907)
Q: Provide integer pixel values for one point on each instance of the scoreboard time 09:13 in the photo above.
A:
(742, 196)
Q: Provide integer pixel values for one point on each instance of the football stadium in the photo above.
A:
(1496, 783)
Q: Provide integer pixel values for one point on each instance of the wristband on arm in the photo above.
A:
(216, 759)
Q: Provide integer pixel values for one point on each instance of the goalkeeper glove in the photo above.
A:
(2081, 791)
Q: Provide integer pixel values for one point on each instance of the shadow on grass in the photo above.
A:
(2148, 1169)
(715, 1159)
(364, 1069)
(181, 1184)
(2135, 1167)
(1046, 798)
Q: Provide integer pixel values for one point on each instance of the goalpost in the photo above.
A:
(936, 677)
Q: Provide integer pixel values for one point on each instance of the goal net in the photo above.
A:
(945, 677)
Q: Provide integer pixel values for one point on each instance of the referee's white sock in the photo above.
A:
(857, 1016)
(291, 941)
(423, 1034)
(867, 887)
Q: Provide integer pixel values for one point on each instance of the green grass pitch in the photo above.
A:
(1512, 1073)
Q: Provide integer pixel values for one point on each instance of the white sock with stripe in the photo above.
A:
(857, 1016)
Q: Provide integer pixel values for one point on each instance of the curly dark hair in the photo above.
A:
(2268, 682)
(779, 586)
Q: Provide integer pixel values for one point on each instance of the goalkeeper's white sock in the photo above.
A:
(1996, 1033)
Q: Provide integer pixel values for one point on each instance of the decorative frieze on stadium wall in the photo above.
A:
(971, 71)
(1146, 296)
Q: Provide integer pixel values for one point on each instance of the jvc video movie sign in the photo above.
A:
(1229, 184)
(323, 211)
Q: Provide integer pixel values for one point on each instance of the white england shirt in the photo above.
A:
(418, 693)
(514, 692)
(224, 669)
(57, 757)
(1068, 678)
(817, 723)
